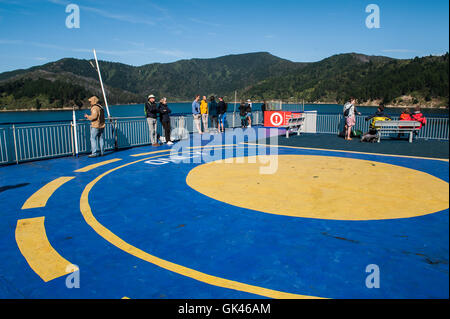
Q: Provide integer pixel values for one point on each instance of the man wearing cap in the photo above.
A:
(151, 112)
(97, 119)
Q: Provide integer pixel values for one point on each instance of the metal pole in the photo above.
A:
(101, 83)
(15, 144)
(75, 135)
(234, 111)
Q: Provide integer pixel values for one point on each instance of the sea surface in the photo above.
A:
(183, 108)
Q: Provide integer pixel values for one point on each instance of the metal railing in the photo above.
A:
(34, 141)
(435, 129)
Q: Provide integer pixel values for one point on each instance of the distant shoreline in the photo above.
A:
(411, 107)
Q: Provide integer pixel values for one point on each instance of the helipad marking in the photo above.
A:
(33, 243)
(188, 272)
(91, 167)
(191, 147)
(323, 187)
(344, 151)
(40, 198)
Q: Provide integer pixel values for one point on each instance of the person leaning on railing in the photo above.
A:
(97, 119)
(151, 112)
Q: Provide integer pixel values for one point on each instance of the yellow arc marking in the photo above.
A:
(188, 272)
(40, 198)
(33, 243)
(91, 167)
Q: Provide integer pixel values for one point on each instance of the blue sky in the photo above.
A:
(34, 32)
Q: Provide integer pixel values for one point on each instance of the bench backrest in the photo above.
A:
(397, 124)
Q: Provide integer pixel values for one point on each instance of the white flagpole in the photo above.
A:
(101, 83)
(75, 134)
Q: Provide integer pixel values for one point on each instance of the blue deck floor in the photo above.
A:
(149, 206)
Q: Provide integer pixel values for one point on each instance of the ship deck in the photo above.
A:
(305, 217)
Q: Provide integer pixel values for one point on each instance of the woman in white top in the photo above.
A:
(350, 117)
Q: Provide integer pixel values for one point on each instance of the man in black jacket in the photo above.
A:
(151, 112)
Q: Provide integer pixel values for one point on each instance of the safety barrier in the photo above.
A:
(34, 141)
(435, 129)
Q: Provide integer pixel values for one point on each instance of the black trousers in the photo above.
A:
(166, 126)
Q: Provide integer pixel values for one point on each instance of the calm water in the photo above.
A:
(179, 108)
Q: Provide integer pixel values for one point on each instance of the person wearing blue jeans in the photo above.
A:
(97, 119)
(97, 139)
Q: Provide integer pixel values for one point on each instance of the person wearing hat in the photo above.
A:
(151, 112)
(97, 119)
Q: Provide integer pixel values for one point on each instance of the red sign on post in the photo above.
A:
(278, 118)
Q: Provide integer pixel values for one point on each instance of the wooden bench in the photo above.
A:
(295, 124)
(397, 127)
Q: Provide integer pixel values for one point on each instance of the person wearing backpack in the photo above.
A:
(350, 117)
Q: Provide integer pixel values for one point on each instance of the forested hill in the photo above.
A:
(370, 79)
(68, 82)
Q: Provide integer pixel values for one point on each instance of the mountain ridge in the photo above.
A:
(258, 75)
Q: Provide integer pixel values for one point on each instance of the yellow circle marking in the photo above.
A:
(104, 232)
(323, 187)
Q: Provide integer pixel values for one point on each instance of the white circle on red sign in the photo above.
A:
(276, 119)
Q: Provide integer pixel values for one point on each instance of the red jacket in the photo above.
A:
(405, 117)
(418, 116)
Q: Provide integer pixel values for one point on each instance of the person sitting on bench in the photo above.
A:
(419, 117)
(405, 116)
(378, 116)
(372, 135)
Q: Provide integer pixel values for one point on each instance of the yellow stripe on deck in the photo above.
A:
(91, 167)
(40, 198)
(104, 232)
(33, 243)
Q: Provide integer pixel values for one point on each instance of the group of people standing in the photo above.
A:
(202, 110)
